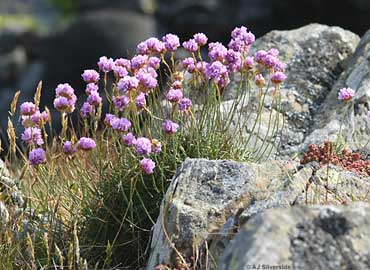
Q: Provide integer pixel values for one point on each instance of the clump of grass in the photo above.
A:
(93, 190)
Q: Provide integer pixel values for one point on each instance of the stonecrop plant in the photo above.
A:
(98, 183)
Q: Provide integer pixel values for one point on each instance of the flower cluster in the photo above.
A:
(65, 98)
(92, 77)
(33, 121)
(346, 94)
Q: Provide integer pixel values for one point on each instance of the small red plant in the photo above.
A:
(351, 161)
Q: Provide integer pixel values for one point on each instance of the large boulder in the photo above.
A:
(315, 238)
(208, 200)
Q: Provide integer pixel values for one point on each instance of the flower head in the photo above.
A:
(138, 61)
(127, 83)
(63, 104)
(249, 61)
(32, 135)
(216, 51)
(147, 165)
(143, 146)
(174, 95)
(155, 45)
(191, 45)
(109, 119)
(94, 98)
(120, 71)
(90, 87)
(86, 144)
(37, 156)
(156, 146)
(278, 77)
(90, 76)
(146, 79)
(140, 101)
(189, 64)
(120, 124)
(170, 127)
(68, 148)
(171, 42)
(121, 102)
(28, 108)
(200, 38)
(154, 62)
(184, 104)
(87, 110)
(346, 94)
(129, 139)
(105, 64)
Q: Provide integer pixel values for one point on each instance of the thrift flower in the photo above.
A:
(154, 62)
(32, 135)
(123, 62)
(200, 38)
(216, 51)
(189, 64)
(140, 101)
(28, 108)
(249, 62)
(174, 95)
(121, 102)
(86, 144)
(346, 94)
(68, 148)
(37, 156)
(119, 71)
(120, 124)
(90, 76)
(155, 45)
(109, 119)
(171, 42)
(127, 83)
(170, 127)
(278, 77)
(94, 98)
(105, 64)
(143, 146)
(129, 139)
(147, 165)
(87, 110)
(184, 104)
(138, 61)
(156, 146)
(91, 87)
(191, 45)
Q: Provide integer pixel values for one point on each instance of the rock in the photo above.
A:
(315, 237)
(207, 200)
(333, 111)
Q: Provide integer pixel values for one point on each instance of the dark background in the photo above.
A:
(55, 40)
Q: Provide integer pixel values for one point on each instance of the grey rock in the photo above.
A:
(207, 200)
(305, 237)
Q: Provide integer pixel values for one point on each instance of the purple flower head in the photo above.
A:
(234, 60)
(171, 42)
(91, 87)
(138, 61)
(215, 71)
(28, 108)
(140, 101)
(143, 146)
(249, 62)
(155, 45)
(68, 148)
(109, 119)
(278, 77)
(273, 52)
(32, 135)
(142, 48)
(123, 62)
(184, 104)
(216, 51)
(154, 62)
(105, 64)
(346, 94)
(174, 95)
(86, 144)
(156, 146)
(201, 66)
(127, 83)
(191, 45)
(35, 119)
(169, 127)
(121, 102)
(201, 39)
(259, 56)
(37, 156)
(63, 104)
(223, 81)
(259, 80)
(119, 71)
(120, 124)
(87, 110)
(65, 90)
(147, 165)
(270, 61)
(236, 45)
(94, 98)
(189, 64)
(280, 66)
(129, 139)
(243, 34)
(90, 76)
(146, 79)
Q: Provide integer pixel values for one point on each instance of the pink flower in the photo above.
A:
(37, 156)
(120, 124)
(105, 64)
(121, 102)
(346, 94)
(201, 39)
(174, 95)
(90, 76)
(68, 148)
(278, 77)
(147, 165)
(32, 135)
(171, 42)
(86, 144)
(129, 139)
(94, 98)
(170, 127)
(28, 108)
(143, 146)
